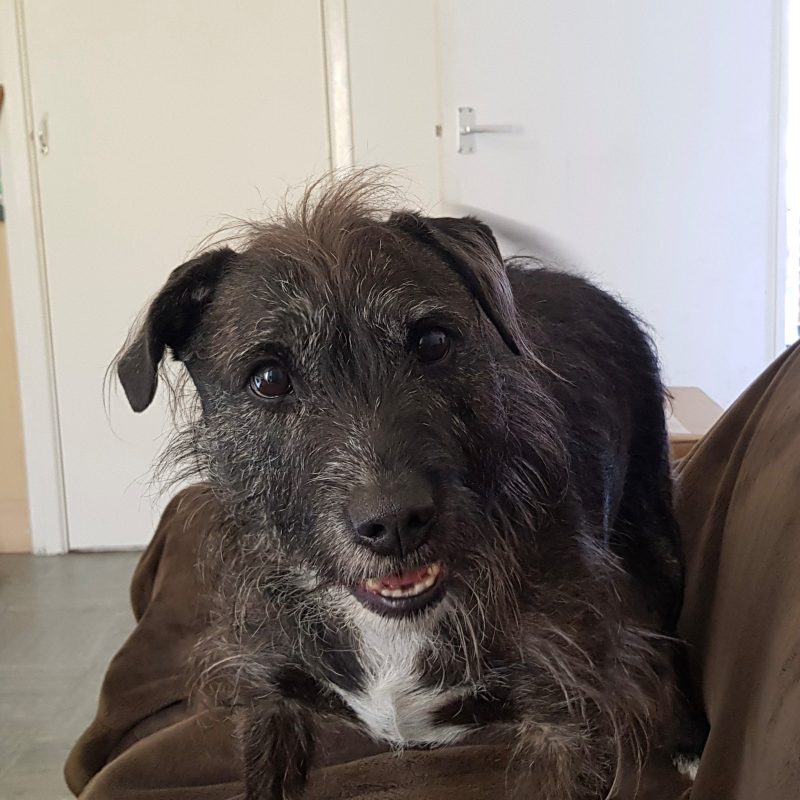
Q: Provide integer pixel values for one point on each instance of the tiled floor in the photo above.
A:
(61, 620)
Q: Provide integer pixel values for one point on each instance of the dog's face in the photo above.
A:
(353, 415)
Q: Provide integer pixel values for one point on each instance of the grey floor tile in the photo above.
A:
(61, 620)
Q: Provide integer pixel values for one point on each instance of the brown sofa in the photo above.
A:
(738, 501)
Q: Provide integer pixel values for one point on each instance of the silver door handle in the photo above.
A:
(467, 128)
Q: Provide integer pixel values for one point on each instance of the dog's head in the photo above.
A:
(369, 400)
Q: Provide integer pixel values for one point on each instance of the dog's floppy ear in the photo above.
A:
(170, 320)
(469, 248)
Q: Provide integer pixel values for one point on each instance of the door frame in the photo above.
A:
(786, 158)
(779, 250)
(27, 264)
(337, 83)
(27, 255)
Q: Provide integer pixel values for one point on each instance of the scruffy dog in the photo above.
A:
(446, 487)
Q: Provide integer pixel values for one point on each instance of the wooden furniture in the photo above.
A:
(691, 413)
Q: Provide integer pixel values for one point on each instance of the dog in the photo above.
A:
(446, 487)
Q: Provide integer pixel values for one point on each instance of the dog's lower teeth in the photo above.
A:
(411, 591)
(430, 576)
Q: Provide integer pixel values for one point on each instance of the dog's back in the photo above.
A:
(606, 378)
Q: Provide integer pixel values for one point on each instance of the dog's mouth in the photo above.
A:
(403, 594)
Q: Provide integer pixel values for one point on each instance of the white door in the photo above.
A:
(160, 117)
(392, 54)
(645, 148)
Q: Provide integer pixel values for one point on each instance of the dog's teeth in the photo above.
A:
(411, 591)
(428, 579)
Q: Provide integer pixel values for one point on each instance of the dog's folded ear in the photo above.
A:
(469, 248)
(170, 320)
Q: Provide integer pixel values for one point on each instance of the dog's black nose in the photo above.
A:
(393, 521)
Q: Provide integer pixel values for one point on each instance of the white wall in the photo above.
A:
(648, 152)
(792, 160)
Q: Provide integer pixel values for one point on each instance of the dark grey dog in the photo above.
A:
(446, 488)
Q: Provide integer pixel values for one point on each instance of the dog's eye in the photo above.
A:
(432, 345)
(270, 381)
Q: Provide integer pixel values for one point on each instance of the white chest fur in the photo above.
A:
(394, 705)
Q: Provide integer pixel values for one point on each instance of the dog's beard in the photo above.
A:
(450, 634)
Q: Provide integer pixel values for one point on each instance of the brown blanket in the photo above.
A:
(739, 505)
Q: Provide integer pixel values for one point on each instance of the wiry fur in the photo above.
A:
(544, 439)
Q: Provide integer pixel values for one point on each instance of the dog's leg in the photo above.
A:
(544, 765)
(278, 744)
(559, 761)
